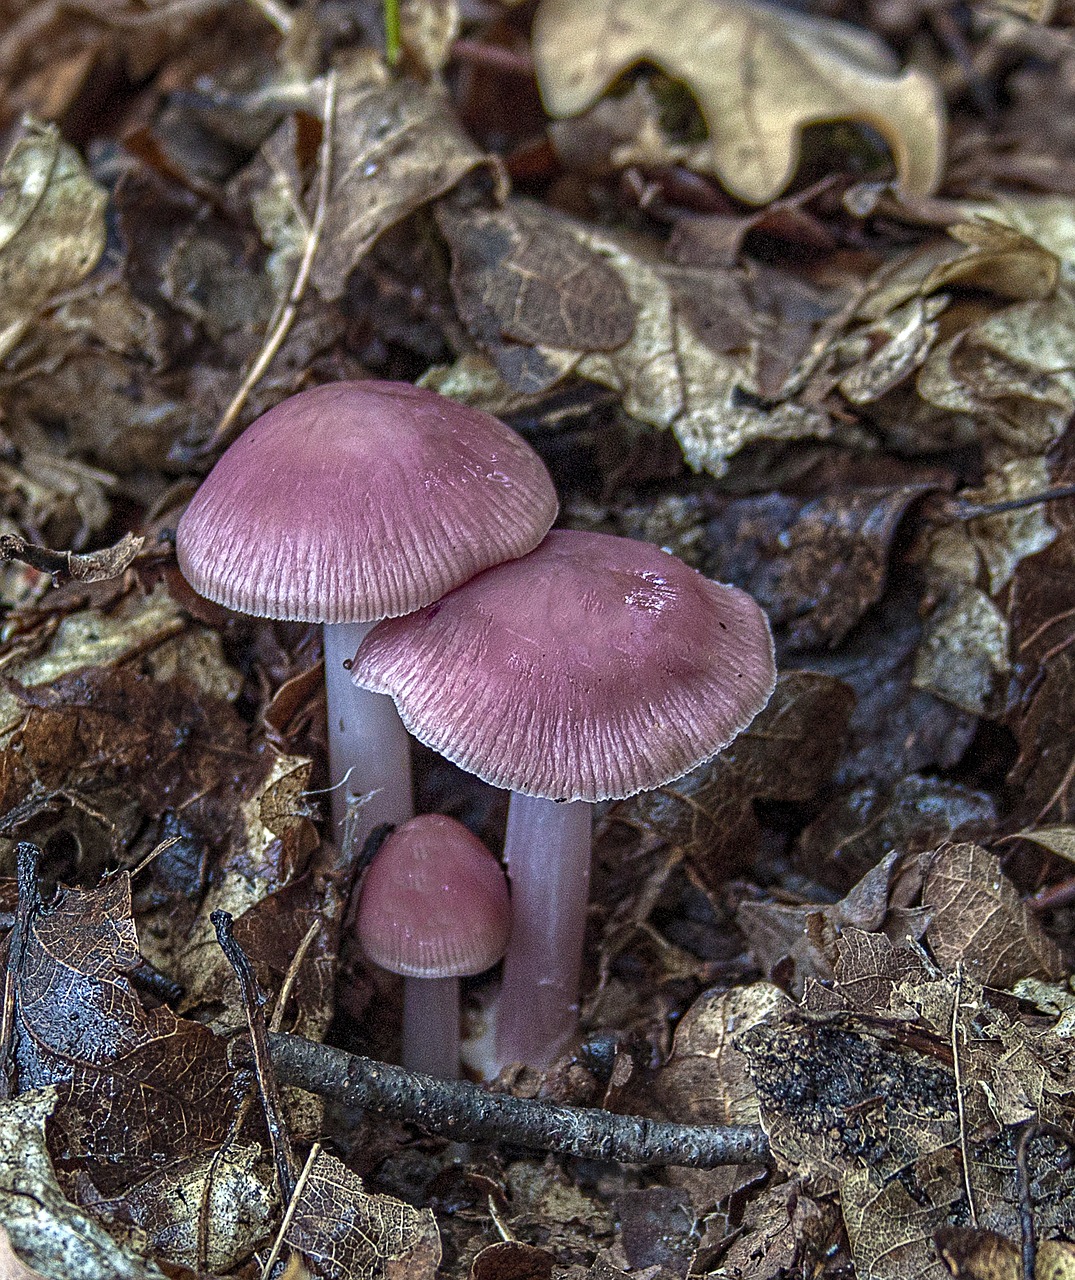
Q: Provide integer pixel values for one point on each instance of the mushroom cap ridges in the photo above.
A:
(590, 669)
(434, 902)
(361, 500)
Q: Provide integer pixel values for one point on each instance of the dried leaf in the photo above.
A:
(815, 565)
(522, 282)
(396, 146)
(512, 1260)
(979, 920)
(52, 227)
(350, 1234)
(706, 1080)
(1058, 839)
(47, 1232)
(760, 74)
(787, 752)
(963, 657)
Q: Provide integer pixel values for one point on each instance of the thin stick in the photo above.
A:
(455, 1109)
(959, 1095)
(226, 426)
(292, 973)
(253, 999)
(27, 856)
(275, 14)
(289, 1213)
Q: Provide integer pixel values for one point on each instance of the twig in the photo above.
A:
(275, 14)
(289, 1211)
(1032, 1129)
(253, 999)
(27, 857)
(956, 509)
(69, 566)
(454, 1109)
(225, 428)
(293, 968)
(960, 1110)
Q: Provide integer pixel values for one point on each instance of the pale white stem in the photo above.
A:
(365, 737)
(547, 850)
(431, 1026)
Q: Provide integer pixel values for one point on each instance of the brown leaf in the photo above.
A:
(759, 74)
(522, 281)
(706, 1080)
(814, 565)
(984, 1255)
(348, 1233)
(979, 920)
(396, 146)
(81, 1026)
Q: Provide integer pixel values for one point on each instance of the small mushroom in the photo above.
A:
(434, 907)
(352, 502)
(593, 668)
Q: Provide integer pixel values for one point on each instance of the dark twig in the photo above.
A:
(67, 566)
(27, 857)
(453, 1109)
(253, 999)
(956, 509)
(1030, 1130)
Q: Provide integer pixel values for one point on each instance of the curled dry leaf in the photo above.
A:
(348, 1233)
(759, 73)
(396, 145)
(52, 227)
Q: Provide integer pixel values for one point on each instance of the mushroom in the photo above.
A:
(593, 668)
(434, 907)
(352, 502)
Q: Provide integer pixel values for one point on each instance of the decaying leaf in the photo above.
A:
(979, 920)
(706, 1080)
(879, 1047)
(814, 565)
(348, 1233)
(396, 146)
(759, 73)
(47, 1232)
(52, 227)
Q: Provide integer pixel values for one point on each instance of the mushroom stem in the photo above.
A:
(365, 736)
(547, 850)
(431, 1026)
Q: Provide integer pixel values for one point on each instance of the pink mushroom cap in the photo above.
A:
(434, 902)
(590, 669)
(361, 500)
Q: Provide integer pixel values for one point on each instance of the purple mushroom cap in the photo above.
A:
(434, 902)
(590, 669)
(361, 500)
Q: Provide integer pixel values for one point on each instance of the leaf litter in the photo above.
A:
(721, 297)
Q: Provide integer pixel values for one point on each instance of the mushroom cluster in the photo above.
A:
(568, 667)
(353, 502)
(590, 669)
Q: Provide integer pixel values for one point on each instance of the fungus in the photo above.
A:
(352, 502)
(434, 907)
(593, 668)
